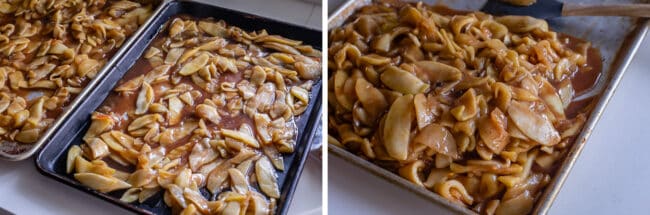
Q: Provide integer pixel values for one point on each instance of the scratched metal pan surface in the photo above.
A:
(617, 38)
(13, 151)
(51, 161)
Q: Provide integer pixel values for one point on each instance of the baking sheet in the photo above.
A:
(13, 151)
(617, 38)
(51, 160)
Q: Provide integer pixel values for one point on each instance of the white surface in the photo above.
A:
(25, 191)
(610, 177)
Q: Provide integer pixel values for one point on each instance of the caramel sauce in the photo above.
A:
(20, 60)
(124, 104)
(586, 77)
(583, 78)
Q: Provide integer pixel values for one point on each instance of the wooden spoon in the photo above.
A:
(552, 8)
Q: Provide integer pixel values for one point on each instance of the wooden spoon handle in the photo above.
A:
(634, 10)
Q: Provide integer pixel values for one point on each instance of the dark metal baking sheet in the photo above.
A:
(51, 160)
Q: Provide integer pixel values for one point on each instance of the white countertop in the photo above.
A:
(610, 177)
(25, 191)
